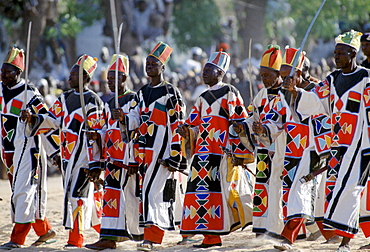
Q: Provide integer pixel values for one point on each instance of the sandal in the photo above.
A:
(188, 240)
(45, 239)
(283, 246)
(144, 247)
(10, 245)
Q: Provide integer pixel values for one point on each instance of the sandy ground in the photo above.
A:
(237, 241)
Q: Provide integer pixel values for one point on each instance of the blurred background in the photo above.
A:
(62, 30)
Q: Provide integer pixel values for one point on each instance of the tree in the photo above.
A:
(335, 17)
(250, 15)
(196, 23)
(52, 21)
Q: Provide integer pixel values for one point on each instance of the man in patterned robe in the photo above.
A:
(267, 203)
(159, 111)
(24, 158)
(120, 220)
(81, 159)
(218, 198)
(344, 96)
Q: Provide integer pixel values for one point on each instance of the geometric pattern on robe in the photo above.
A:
(345, 98)
(77, 154)
(120, 203)
(156, 117)
(267, 206)
(299, 157)
(218, 198)
(24, 157)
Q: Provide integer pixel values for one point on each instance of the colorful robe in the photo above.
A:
(77, 154)
(267, 199)
(159, 112)
(121, 198)
(345, 98)
(300, 156)
(218, 198)
(24, 158)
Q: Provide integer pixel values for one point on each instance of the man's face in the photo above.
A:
(73, 79)
(9, 75)
(211, 74)
(153, 66)
(269, 76)
(365, 46)
(111, 77)
(342, 56)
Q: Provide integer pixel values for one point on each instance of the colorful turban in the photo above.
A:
(272, 58)
(15, 57)
(123, 64)
(351, 38)
(220, 59)
(365, 37)
(90, 64)
(290, 55)
(162, 52)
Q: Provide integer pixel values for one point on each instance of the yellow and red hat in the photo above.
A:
(90, 64)
(15, 57)
(220, 59)
(162, 52)
(123, 63)
(272, 57)
(290, 55)
(351, 38)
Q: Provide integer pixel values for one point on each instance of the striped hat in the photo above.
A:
(351, 38)
(162, 52)
(15, 57)
(290, 55)
(123, 64)
(272, 58)
(220, 59)
(90, 64)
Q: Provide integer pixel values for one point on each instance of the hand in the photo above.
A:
(27, 117)
(94, 174)
(238, 127)
(237, 161)
(117, 114)
(289, 84)
(183, 130)
(258, 128)
(165, 164)
(92, 135)
(132, 170)
(57, 161)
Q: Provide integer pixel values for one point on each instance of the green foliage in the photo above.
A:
(196, 23)
(336, 16)
(74, 16)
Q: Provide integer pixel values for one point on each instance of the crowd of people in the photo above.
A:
(288, 155)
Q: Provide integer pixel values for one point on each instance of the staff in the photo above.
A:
(295, 61)
(27, 65)
(81, 88)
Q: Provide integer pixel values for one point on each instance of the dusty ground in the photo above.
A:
(237, 241)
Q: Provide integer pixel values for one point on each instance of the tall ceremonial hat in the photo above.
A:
(162, 52)
(15, 57)
(123, 63)
(90, 64)
(272, 57)
(351, 38)
(289, 56)
(220, 59)
(365, 37)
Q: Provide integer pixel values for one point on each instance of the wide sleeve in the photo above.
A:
(313, 102)
(176, 114)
